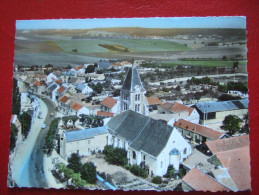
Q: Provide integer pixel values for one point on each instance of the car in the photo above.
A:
(43, 126)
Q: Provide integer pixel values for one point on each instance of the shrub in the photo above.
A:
(138, 171)
(88, 173)
(157, 180)
(116, 156)
(74, 163)
(170, 171)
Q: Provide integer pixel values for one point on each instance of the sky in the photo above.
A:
(175, 22)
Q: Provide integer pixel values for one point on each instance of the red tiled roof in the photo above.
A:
(108, 102)
(101, 113)
(76, 106)
(59, 81)
(176, 107)
(202, 130)
(228, 144)
(153, 101)
(202, 182)
(117, 64)
(79, 67)
(61, 89)
(63, 99)
(237, 162)
(37, 83)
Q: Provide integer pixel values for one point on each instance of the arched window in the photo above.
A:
(185, 151)
(134, 155)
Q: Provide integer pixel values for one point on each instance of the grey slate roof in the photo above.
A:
(132, 79)
(52, 87)
(80, 87)
(85, 133)
(142, 132)
(214, 106)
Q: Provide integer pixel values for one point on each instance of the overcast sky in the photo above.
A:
(175, 22)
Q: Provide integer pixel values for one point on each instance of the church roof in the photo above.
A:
(132, 80)
(142, 132)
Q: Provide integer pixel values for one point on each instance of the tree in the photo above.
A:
(235, 65)
(13, 136)
(116, 93)
(231, 124)
(74, 162)
(245, 128)
(74, 50)
(116, 156)
(90, 69)
(226, 97)
(88, 173)
(25, 120)
(77, 180)
(16, 98)
(157, 180)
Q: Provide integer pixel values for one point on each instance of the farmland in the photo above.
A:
(135, 45)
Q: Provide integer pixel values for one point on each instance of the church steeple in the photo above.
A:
(133, 93)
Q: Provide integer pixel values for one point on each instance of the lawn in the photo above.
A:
(205, 63)
(135, 45)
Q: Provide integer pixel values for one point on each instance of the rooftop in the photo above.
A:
(153, 101)
(176, 107)
(85, 133)
(202, 182)
(228, 144)
(132, 80)
(108, 102)
(37, 83)
(76, 106)
(214, 106)
(108, 114)
(142, 132)
(61, 89)
(199, 129)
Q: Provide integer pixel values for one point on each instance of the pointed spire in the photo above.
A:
(132, 80)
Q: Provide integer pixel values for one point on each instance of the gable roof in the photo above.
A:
(80, 87)
(85, 133)
(64, 99)
(202, 182)
(132, 80)
(214, 106)
(199, 129)
(142, 132)
(228, 143)
(108, 114)
(76, 106)
(176, 107)
(108, 102)
(153, 101)
(37, 83)
(52, 87)
(79, 67)
(237, 161)
(61, 89)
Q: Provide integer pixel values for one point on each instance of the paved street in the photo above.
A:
(28, 161)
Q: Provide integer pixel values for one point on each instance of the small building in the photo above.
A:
(110, 105)
(153, 103)
(84, 88)
(180, 111)
(150, 144)
(215, 112)
(83, 142)
(197, 133)
(39, 87)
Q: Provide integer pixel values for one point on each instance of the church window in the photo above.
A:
(138, 97)
(125, 106)
(138, 107)
(125, 96)
(133, 155)
(185, 151)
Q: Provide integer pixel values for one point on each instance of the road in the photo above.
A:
(33, 174)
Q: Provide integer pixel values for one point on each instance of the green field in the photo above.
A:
(205, 63)
(135, 45)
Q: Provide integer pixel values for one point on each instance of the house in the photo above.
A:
(197, 133)
(50, 78)
(61, 90)
(84, 88)
(39, 87)
(198, 181)
(132, 94)
(149, 143)
(51, 91)
(231, 157)
(109, 104)
(153, 103)
(181, 110)
(83, 142)
(215, 112)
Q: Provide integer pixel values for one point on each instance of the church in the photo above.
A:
(132, 95)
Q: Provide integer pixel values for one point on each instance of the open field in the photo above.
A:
(228, 63)
(134, 45)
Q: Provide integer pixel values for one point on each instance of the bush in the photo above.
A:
(115, 156)
(74, 163)
(49, 139)
(170, 171)
(13, 136)
(157, 180)
(88, 173)
(138, 171)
